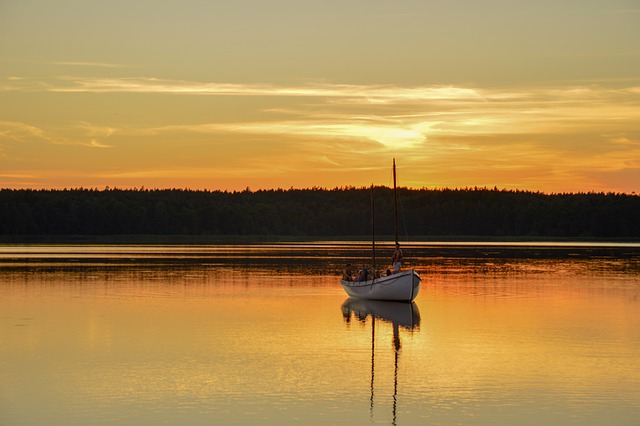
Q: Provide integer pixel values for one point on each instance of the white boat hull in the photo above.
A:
(401, 287)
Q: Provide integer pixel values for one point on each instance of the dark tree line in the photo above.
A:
(318, 212)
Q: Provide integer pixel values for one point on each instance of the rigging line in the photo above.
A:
(404, 220)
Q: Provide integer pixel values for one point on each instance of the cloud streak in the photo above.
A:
(374, 94)
(24, 133)
(88, 64)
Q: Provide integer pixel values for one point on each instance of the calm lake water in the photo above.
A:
(264, 334)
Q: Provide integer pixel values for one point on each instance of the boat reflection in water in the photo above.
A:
(400, 315)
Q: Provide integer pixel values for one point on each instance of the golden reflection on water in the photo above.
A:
(561, 346)
(489, 342)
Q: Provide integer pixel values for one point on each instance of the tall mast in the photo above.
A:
(395, 201)
(373, 232)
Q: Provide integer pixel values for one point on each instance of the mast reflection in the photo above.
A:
(399, 315)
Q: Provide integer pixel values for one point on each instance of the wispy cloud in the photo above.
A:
(371, 93)
(374, 94)
(19, 132)
(93, 130)
(359, 94)
(23, 133)
(88, 64)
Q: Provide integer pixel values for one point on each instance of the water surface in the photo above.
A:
(263, 334)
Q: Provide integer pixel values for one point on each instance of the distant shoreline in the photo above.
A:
(182, 216)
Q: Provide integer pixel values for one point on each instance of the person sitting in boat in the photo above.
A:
(377, 273)
(348, 274)
(363, 274)
(396, 259)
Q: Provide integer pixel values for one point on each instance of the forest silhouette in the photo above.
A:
(338, 212)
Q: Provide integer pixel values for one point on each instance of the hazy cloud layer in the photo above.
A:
(541, 136)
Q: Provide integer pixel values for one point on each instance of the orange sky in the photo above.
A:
(227, 95)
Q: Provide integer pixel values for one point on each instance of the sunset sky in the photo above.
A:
(540, 95)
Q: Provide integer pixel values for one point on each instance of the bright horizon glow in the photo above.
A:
(543, 97)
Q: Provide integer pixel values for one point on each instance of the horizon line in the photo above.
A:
(320, 188)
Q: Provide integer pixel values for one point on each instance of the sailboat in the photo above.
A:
(400, 286)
